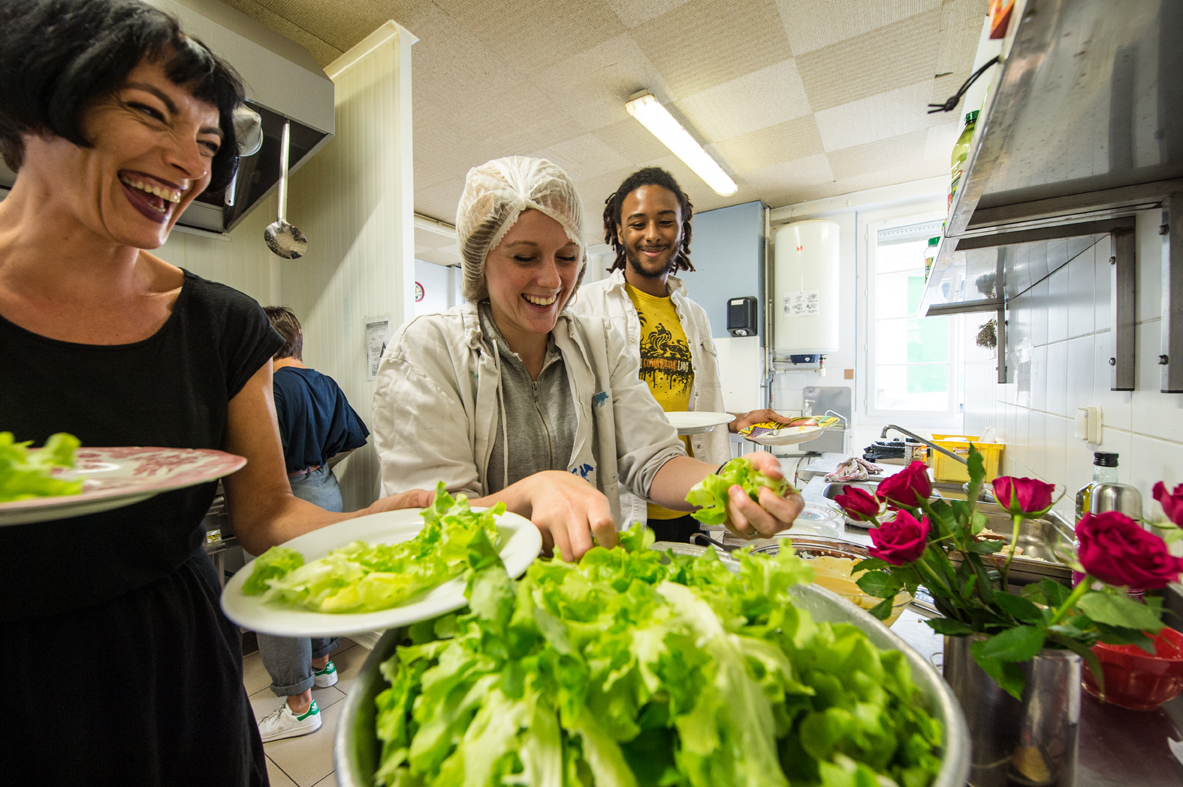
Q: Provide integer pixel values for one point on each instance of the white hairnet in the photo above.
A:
(499, 191)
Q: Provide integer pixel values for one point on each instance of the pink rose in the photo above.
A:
(1115, 550)
(907, 487)
(858, 503)
(1023, 495)
(1172, 504)
(900, 541)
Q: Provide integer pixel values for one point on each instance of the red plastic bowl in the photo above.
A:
(1135, 679)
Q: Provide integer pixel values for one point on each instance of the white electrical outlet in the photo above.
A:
(1088, 424)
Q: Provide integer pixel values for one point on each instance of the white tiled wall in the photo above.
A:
(1060, 330)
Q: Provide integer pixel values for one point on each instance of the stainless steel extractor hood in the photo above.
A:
(282, 82)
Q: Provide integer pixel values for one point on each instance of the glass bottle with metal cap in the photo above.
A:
(1104, 493)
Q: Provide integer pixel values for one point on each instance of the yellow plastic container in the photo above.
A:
(946, 469)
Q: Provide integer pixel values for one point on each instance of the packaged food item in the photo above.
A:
(930, 255)
(961, 153)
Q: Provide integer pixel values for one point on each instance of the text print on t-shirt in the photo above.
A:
(665, 360)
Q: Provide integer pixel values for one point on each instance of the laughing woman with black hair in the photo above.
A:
(121, 668)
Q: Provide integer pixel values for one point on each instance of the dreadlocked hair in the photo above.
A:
(614, 205)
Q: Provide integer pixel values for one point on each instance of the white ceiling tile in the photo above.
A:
(634, 12)
(789, 141)
(940, 142)
(749, 103)
(880, 155)
(439, 257)
(808, 171)
(708, 42)
(584, 157)
(813, 24)
(899, 54)
(876, 117)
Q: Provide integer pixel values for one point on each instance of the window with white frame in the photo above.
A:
(913, 363)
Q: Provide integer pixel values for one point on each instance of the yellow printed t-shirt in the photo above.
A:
(665, 364)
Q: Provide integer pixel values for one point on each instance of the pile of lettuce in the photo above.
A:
(625, 670)
(710, 494)
(26, 474)
(365, 577)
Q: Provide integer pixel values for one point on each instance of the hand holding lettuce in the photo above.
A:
(712, 494)
(26, 474)
(363, 577)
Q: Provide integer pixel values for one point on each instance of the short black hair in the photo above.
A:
(650, 176)
(284, 321)
(58, 58)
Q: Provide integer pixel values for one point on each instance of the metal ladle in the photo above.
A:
(282, 238)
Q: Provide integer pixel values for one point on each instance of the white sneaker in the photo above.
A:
(284, 723)
(325, 677)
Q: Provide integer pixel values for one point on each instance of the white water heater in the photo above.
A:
(805, 288)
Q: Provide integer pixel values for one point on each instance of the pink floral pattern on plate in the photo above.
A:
(114, 477)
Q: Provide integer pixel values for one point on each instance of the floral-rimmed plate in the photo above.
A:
(117, 477)
(521, 542)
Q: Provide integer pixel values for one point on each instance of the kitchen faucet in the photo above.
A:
(928, 443)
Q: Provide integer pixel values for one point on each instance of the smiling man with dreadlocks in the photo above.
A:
(647, 223)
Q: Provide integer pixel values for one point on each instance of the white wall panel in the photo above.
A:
(353, 201)
(1070, 367)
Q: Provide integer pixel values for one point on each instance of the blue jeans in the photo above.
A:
(288, 660)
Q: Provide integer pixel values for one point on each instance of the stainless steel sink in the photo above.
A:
(1040, 539)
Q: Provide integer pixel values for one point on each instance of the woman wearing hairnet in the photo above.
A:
(511, 398)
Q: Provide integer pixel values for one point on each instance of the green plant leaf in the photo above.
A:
(987, 547)
(979, 522)
(1020, 608)
(870, 564)
(1021, 643)
(880, 584)
(1054, 593)
(1118, 609)
(1112, 635)
(1172, 535)
(882, 610)
(1008, 675)
(977, 470)
(949, 627)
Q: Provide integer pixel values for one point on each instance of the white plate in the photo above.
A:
(788, 435)
(117, 477)
(697, 423)
(522, 544)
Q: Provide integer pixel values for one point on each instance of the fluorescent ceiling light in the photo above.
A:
(653, 116)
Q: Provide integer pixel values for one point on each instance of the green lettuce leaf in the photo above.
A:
(711, 494)
(26, 474)
(634, 667)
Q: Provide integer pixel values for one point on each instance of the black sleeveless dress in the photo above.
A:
(120, 668)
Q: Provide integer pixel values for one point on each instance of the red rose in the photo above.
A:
(1023, 495)
(858, 503)
(1172, 504)
(907, 487)
(1115, 550)
(901, 540)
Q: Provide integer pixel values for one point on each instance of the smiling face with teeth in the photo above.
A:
(530, 276)
(152, 149)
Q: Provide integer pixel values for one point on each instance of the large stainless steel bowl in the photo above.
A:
(356, 748)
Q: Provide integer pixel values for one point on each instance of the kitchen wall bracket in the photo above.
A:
(1171, 352)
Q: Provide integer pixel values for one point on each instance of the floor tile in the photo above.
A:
(328, 781)
(277, 777)
(349, 663)
(308, 759)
